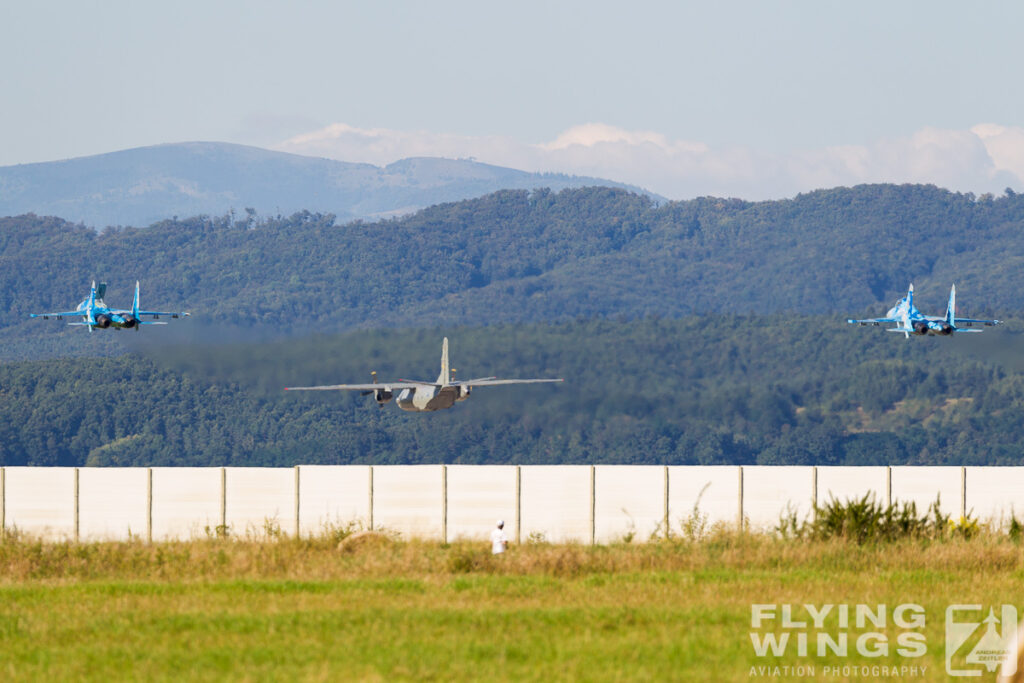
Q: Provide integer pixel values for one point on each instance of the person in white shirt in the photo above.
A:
(499, 541)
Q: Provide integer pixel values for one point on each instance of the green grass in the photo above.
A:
(259, 610)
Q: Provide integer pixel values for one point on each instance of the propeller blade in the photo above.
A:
(373, 374)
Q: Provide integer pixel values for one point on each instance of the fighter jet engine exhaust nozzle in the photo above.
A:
(130, 322)
(946, 329)
(920, 327)
(103, 321)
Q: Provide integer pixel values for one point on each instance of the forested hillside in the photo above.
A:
(519, 256)
(707, 331)
(702, 390)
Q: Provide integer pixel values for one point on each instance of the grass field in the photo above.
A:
(285, 609)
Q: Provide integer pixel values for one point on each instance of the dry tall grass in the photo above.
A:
(328, 557)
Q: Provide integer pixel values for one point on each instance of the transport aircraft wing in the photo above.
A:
(386, 386)
(491, 381)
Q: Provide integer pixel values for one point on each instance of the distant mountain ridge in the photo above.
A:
(141, 186)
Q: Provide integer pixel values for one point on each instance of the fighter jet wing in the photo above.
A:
(359, 387)
(874, 321)
(173, 314)
(975, 320)
(55, 315)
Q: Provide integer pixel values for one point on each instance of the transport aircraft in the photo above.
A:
(910, 321)
(98, 314)
(422, 397)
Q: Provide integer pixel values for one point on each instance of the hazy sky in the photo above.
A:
(754, 99)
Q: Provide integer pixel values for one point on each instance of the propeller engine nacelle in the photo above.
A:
(103, 321)
(382, 395)
(462, 392)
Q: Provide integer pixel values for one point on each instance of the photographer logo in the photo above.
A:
(978, 640)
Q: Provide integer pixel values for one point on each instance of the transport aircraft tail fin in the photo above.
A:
(445, 378)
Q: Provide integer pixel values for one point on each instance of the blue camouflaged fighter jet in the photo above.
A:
(910, 321)
(98, 314)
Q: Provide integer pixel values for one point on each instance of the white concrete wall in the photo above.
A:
(112, 503)
(186, 502)
(555, 502)
(332, 496)
(407, 499)
(995, 493)
(713, 489)
(768, 492)
(852, 483)
(922, 484)
(478, 496)
(258, 498)
(629, 502)
(40, 501)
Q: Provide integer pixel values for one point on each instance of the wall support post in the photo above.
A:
(739, 519)
(519, 500)
(963, 492)
(888, 486)
(370, 480)
(223, 530)
(76, 504)
(593, 503)
(444, 504)
(665, 517)
(297, 489)
(149, 505)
